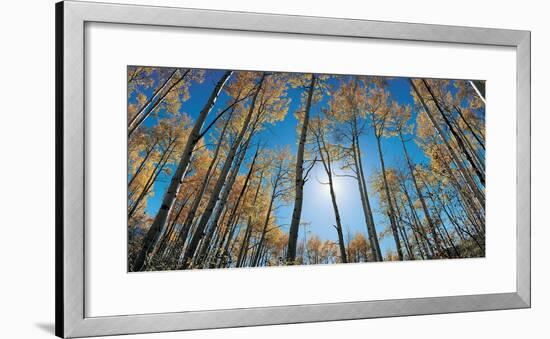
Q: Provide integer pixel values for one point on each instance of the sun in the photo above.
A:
(322, 183)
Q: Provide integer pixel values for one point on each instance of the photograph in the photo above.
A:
(255, 168)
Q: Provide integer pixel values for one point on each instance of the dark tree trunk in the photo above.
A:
(470, 182)
(205, 217)
(135, 124)
(474, 133)
(148, 153)
(186, 226)
(268, 215)
(326, 160)
(426, 244)
(299, 186)
(159, 167)
(177, 179)
(166, 238)
(157, 91)
(431, 223)
(243, 251)
(401, 228)
(391, 211)
(225, 195)
(480, 174)
(367, 211)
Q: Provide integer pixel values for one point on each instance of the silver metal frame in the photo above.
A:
(70, 168)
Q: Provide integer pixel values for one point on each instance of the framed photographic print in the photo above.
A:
(221, 169)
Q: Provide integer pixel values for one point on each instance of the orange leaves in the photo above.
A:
(346, 114)
(139, 76)
(320, 252)
(272, 101)
(367, 98)
(155, 90)
(242, 83)
(358, 248)
(424, 128)
(377, 100)
(348, 102)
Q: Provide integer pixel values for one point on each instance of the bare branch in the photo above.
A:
(310, 168)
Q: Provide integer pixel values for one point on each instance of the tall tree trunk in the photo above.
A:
(225, 195)
(157, 91)
(232, 242)
(327, 164)
(243, 251)
(166, 238)
(470, 205)
(339, 231)
(480, 162)
(479, 172)
(461, 229)
(367, 211)
(431, 196)
(299, 185)
(391, 211)
(186, 226)
(257, 254)
(148, 153)
(426, 244)
(473, 187)
(470, 128)
(177, 179)
(421, 246)
(226, 243)
(402, 230)
(211, 251)
(199, 232)
(134, 126)
(268, 216)
(431, 223)
(219, 207)
(153, 177)
(473, 151)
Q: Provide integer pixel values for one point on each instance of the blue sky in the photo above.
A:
(317, 208)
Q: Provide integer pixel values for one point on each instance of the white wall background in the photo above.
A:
(27, 168)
